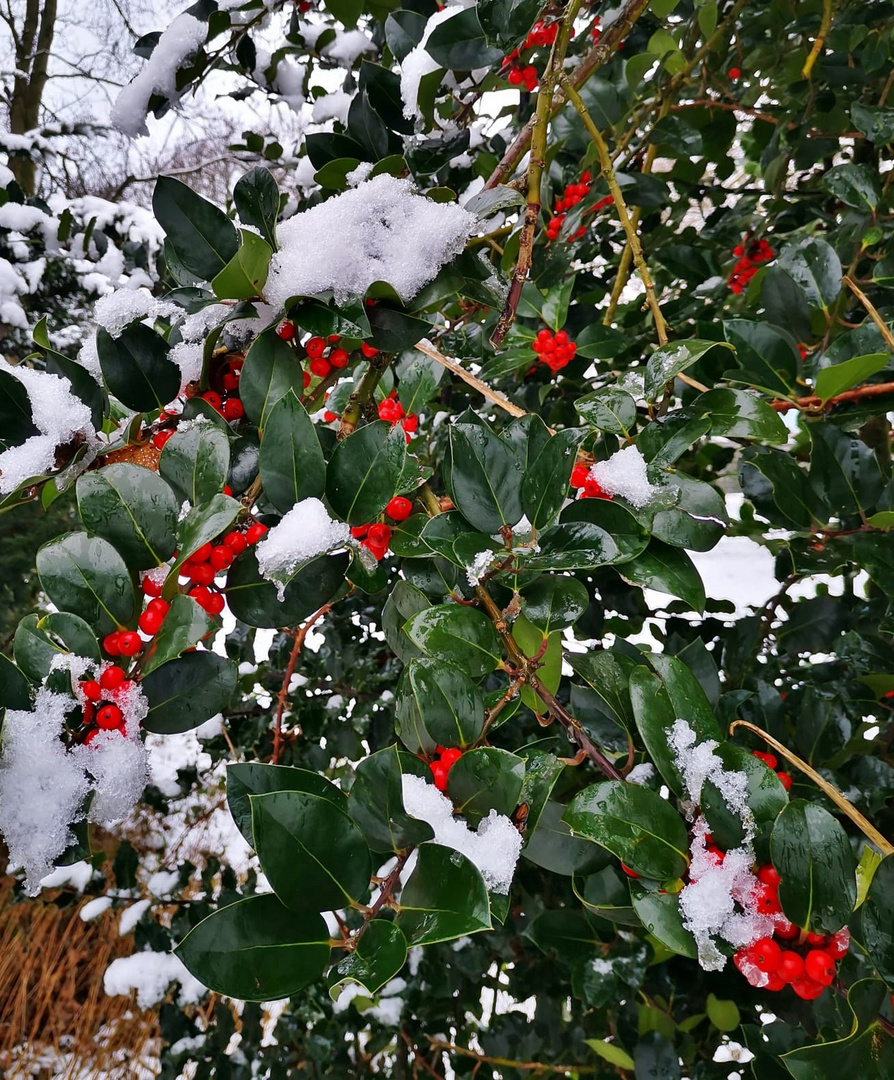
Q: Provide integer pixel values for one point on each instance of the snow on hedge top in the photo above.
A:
(184, 37)
(57, 414)
(381, 230)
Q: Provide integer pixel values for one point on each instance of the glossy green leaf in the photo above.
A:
(634, 823)
(737, 414)
(724, 1015)
(14, 690)
(270, 371)
(606, 893)
(196, 462)
(136, 367)
(256, 949)
(257, 202)
(187, 691)
(545, 485)
(16, 423)
(779, 488)
(291, 461)
(87, 576)
(376, 804)
(404, 601)
(591, 533)
(75, 635)
(365, 470)
(542, 771)
(552, 602)
(504, 22)
(253, 599)
(458, 635)
(244, 276)
(878, 921)
(813, 855)
(659, 912)
(608, 672)
(855, 185)
(458, 43)
(813, 264)
(134, 509)
(610, 409)
(766, 798)
(831, 381)
(202, 236)
(185, 625)
(483, 478)
(483, 780)
(256, 778)
(766, 360)
(33, 650)
(313, 854)
(666, 569)
(655, 1058)
(438, 704)
(669, 360)
(445, 898)
(611, 1052)
(552, 846)
(565, 934)
(377, 957)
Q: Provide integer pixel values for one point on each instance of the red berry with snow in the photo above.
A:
(160, 438)
(286, 330)
(91, 690)
(109, 717)
(112, 678)
(151, 587)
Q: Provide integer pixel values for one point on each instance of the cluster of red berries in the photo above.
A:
(518, 73)
(226, 400)
(376, 537)
(203, 566)
(442, 765)
(749, 259)
(586, 486)
(101, 711)
(571, 196)
(554, 350)
(770, 761)
(390, 409)
(806, 962)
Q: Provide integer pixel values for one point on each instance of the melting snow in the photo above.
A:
(624, 474)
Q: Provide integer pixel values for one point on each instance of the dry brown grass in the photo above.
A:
(52, 1004)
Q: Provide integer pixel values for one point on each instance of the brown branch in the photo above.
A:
(300, 635)
(596, 57)
(814, 403)
(509, 1063)
(883, 327)
(526, 674)
(384, 896)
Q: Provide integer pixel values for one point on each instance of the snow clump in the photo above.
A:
(184, 37)
(305, 532)
(381, 230)
(721, 897)
(59, 417)
(418, 63)
(150, 974)
(624, 474)
(117, 310)
(494, 849)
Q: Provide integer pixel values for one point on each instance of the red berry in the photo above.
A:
(819, 966)
(233, 410)
(227, 490)
(286, 330)
(215, 603)
(410, 423)
(201, 594)
(236, 541)
(230, 381)
(359, 531)
(112, 643)
(222, 557)
(91, 690)
(785, 779)
(734, 73)
(150, 622)
(112, 678)
(768, 900)
(380, 535)
(451, 756)
(775, 982)
(628, 871)
(130, 643)
(203, 574)
(307, 379)
(328, 416)
(768, 759)
(816, 939)
(150, 587)
(161, 606)
(579, 475)
(440, 775)
(320, 367)
(368, 351)
(786, 929)
(399, 508)
(377, 550)
(160, 438)
(213, 399)
(339, 358)
(769, 875)
(109, 717)
(202, 555)
(315, 347)
(766, 955)
(807, 989)
(791, 966)
(334, 339)
(255, 532)
(839, 943)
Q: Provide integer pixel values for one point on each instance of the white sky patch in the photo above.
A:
(494, 848)
(624, 474)
(58, 415)
(306, 531)
(181, 40)
(381, 230)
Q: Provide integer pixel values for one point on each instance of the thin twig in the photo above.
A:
(509, 1063)
(884, 329)
(300, 635)
(816, 51)
(814, 404)
(845, 805)
(362, 396)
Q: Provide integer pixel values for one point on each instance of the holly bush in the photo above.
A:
(457, 413)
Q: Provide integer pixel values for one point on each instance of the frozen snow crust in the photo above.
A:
(381, 230)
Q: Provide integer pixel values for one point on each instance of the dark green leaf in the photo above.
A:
(291, 461)
(766, 359)
(132, 508)
(136, 367)
(404, 602)
(270, 371)
(740, 415)
(185, 625)
(255, 778)
(545, 485)
(458, 635)
(253, 599)
(834, 380)
(376, 804)
(14, 690)
(244, 276)
(592, 532)
(458, 43)
(765, 793)
(608, 673)
(667, 570)
(445, 898)
(87, 576)
(196, 462)
(669, 360)
(656, 1059)
(185, 692)
(553, 847)
(483, 478)
(365, 471)
(378, 956)
(854, 185)
(256, 949)
(878, 920)
(815, 267)
(553, 602)
(483, 780)
(437, 705)
(16, 424)
(659, 912)
(202, 236)
(257, 202)
(610, 409)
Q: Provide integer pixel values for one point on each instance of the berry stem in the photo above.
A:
(845, 805)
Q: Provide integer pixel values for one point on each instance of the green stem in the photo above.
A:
(363, 395)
